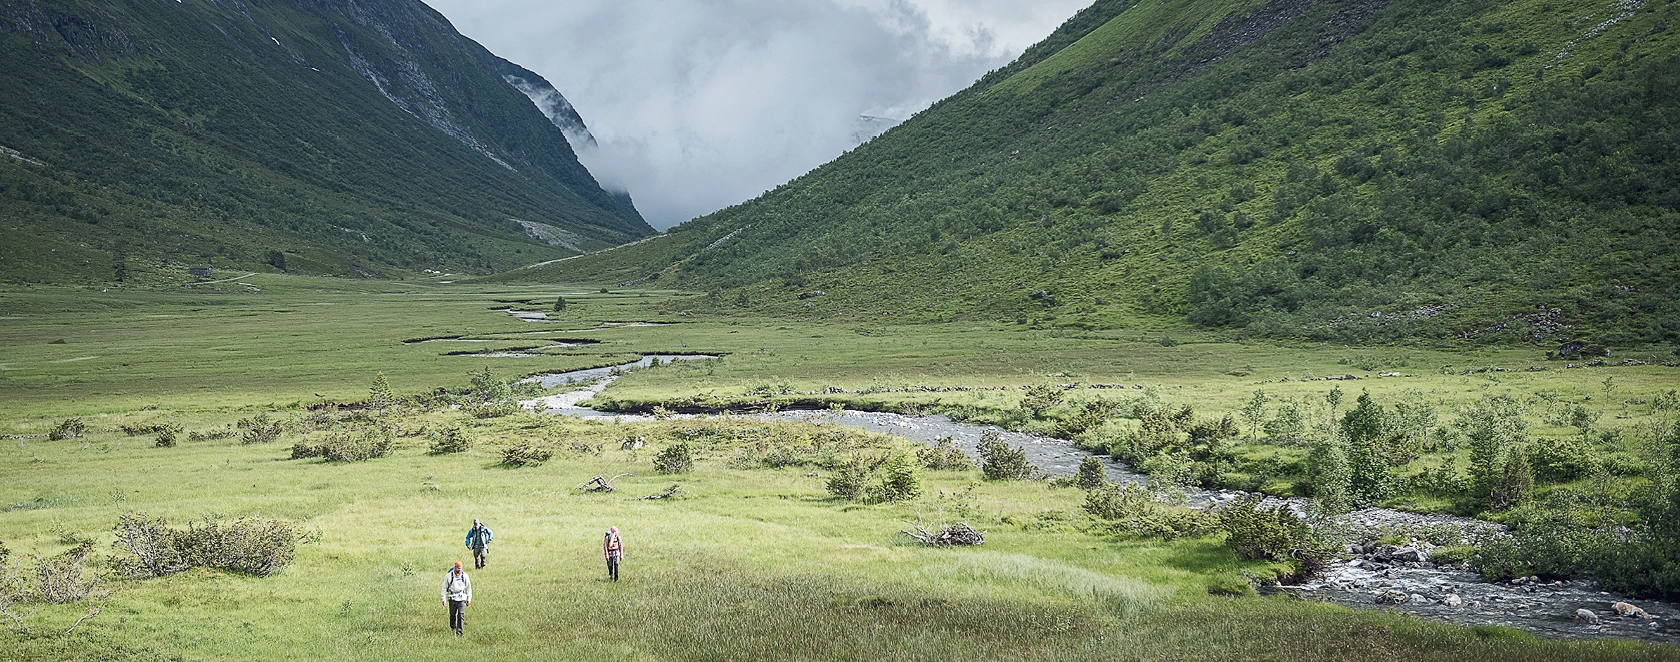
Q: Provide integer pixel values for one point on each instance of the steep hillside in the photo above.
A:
(323, 136)
(1358, 169)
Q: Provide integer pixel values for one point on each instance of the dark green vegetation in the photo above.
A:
(142, 138)
(1353, 170)
(752, 557)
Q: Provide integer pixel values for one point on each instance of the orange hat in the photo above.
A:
(457, 565)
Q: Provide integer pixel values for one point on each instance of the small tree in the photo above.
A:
(1494, 429)
(488, 388)
(167, 434)
(1091, 474)
(559, 304)
(675, 459)
(944, 455)
(1254, 413)
(1042, 397)
(1334, 398)
(1332, 477)
(900, 479)
(379, 394)
(848, 480)
(449, 440)
(1001, 461)
(276, 259)
(1365, 427)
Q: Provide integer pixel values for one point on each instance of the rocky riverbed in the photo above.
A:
(1371, 575)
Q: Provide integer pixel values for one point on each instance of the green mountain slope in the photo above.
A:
(330, 136)
(1358, 169)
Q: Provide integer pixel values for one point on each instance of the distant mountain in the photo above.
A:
(349, 137)
(1338, 169)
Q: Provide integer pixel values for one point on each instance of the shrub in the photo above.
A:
(359, 445)
(1132, 510)
(900, 481)
(137, 429)
(69, 429)
(1000, 461)
(259, 430)
(1563, 460)
(1090, 415)
(674, 459)
(487, 388)
(526, 454)
(1272, 534)
(1091, 473)
(303, 449)
(1499, 560)
(251, 545)
(1041, 397)
(944, 455)
(449, 440)
(1457, 555)
(492, 409)
(848, 480)
(167, 434)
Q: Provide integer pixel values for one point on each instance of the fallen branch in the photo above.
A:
(92, 612)
(948, 536)
(600, 484)
(671, 492)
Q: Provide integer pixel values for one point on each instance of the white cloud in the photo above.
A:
(700, 104)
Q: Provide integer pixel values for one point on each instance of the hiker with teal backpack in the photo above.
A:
(478, 538)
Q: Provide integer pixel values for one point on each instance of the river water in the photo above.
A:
(1367, 578)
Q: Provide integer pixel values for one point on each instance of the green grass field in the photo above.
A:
(754, 563)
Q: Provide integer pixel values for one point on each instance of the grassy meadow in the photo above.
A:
(752, 563)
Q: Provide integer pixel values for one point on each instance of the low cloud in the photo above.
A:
(701, 104)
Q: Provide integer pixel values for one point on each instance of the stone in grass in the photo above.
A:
(1586, 617)
(1624, 610)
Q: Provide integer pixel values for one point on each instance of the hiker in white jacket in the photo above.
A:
(457, 594)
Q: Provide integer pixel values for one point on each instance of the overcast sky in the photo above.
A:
(701, 104)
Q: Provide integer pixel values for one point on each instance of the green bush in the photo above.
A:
(526, 454)
(1042, 397)
(1092, 474)
(1272, 534)
(944, 455)
(492, 409)
(1000, 461)
(1134, 511)
(167, 434)
(1563, 460)
(674, 459)
(1456, 555)
(304, 449)
(358, 445)
(900, 480)
(69, 429)
(848, 480)
(449, 440)
(251, 545)
(259, 430)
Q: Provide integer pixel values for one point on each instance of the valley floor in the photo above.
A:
(753, 562)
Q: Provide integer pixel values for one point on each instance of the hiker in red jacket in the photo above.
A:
(613, 547)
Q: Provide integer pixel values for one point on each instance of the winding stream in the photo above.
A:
(1401, 579)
